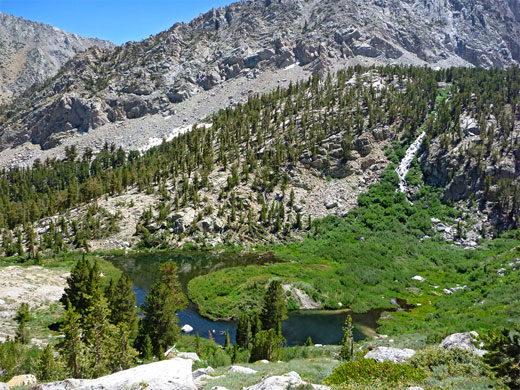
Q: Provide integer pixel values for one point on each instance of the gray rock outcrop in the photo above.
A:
(462, 341)
(395, 355)
(174, 374)
(242, 370)
(290, 380)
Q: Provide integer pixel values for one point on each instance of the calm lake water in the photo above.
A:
(324, 327)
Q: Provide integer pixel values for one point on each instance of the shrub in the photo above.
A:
(364, 371)
(456, 361)
(219, 359)
(503, 355)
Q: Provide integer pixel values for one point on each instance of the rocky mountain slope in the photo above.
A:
(261, 171)
(31, 52)
(250, 40)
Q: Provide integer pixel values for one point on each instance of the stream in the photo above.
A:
(324, 327)
(406, 162)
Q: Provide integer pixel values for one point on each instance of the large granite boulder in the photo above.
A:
(174, 374)
(291, 380)
(22, 380)
(242, 370)
(395, 355)
(462, 341)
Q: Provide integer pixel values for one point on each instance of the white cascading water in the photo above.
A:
(406, 162)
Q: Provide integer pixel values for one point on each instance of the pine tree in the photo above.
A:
(347, 343)
(256, 325)
(47, 367)
(121, 353)
(274, 309)
(308, 342)
(98, 334)
(198, 346)
(77, 290)
(164, 300)
(266, 345)
(31, 236)
(22, 317)
(227, 342)
(122, 303)
(19, 245)
(244, 335)
(72, 349)
(147, 348)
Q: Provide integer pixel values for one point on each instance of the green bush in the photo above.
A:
(219, 359)
(456, 361)
(364, 371)
(503, 355)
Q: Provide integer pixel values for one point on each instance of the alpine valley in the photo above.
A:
(351, 158)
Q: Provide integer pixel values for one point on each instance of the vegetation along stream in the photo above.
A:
(324, 327)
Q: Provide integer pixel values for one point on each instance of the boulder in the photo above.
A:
(242, 370)
(22, 380)
(365, 49)
(363, 145)
(202, 371)
(331, 204)
(3, 386)
(182, 92)
(290, 380)
(67, 384)
(395, 355)
(418, 278)
(253, 60)
(174, 374)
(187, 328)
(462, 341)
(210, 80)
(189, 355)
(205, 225)
(305, 53)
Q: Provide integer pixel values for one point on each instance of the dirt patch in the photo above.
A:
(40, 287)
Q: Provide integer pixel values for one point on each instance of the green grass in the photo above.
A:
(369, 257)
(312, 370)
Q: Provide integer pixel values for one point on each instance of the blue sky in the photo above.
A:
(116, 20)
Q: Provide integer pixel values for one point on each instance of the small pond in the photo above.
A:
(324, 327)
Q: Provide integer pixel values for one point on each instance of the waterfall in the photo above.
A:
(404, 165)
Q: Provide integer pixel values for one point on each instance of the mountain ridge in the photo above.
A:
(247, 39)
(32, 52)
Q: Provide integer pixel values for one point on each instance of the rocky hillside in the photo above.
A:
(261, 171)
(249, 39)
(31, 52)
(255, 172)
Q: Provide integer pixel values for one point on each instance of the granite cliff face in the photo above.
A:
(31, 52)
(250, 38)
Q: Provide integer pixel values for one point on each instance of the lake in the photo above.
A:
(324, 327)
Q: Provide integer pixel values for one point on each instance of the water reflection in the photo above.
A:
(324, 327)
